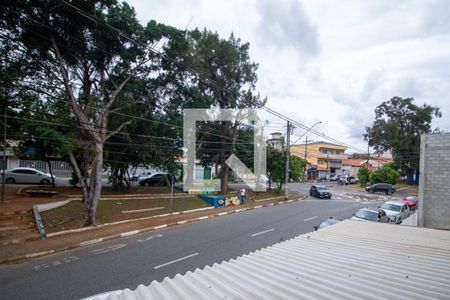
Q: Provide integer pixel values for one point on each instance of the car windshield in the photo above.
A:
(322, 188)
(367, 214)
(389, 206)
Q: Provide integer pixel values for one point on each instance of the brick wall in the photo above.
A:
(434, 184)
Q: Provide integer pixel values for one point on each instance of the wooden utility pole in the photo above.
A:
(286, 175)
(4, 156)
(305, 171)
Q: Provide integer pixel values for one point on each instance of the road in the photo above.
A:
(139, 259)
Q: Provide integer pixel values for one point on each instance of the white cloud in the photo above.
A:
(332, 61)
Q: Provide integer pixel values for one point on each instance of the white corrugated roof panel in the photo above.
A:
(350, 260)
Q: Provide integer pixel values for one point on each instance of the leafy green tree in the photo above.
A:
(297, 166)
(363, 176)
(276, 166)
(398, 126)
(74, 52)
(385, 174)
(226, 80)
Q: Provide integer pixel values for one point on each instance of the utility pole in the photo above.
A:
(305, 174)
(368, 154)
(286, 178)
(4, 156)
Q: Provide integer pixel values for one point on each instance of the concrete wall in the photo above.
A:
(434, 184)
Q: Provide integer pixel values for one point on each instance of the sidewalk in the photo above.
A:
(20, 252)
(411, 220)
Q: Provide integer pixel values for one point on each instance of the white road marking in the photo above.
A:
(108, 249)
(203, 218)
(150, 238)
(91, 242)
(56, 263)
(182, 222)
(176, 260)
(262, 232)
(309, 219)
(258, 206)
(222, 213)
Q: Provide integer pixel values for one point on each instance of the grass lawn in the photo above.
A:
(70, 216)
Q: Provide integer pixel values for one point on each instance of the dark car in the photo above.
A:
(387, 188)
(320, 191)
(326, 223)
(157, 179)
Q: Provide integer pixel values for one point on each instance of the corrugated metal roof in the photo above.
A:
(350, 260)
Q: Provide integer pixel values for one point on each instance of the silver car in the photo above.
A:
(27, 175)
(396, 210)
(367, 214)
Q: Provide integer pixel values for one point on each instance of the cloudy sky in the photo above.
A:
(331, 61)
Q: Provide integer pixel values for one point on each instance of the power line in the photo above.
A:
(164, 56)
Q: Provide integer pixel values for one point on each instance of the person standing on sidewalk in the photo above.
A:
(242, 196)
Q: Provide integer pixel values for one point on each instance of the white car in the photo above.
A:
(367, 214)
(27, 175)
(396, 210)
(141, 176)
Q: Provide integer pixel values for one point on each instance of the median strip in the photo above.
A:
(129, 233)
(175, 260)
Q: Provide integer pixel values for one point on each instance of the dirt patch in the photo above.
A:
(70, 216)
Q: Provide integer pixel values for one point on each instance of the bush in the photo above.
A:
(363, 176)
(385, 174)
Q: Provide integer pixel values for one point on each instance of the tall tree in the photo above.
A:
(226, 78)
(397, 128)
(79, 48)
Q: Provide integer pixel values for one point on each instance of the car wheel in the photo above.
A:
(399, 221)
(390, 192)
(45, 181)
(10, 180)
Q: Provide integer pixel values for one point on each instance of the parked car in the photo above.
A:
(343, 180)
(397, 210)
(326, 223)
(320, 191)
(156, 179)
(353, 180)
(387, 188)
(411, 201)
(27, 175)
(141, 176)
(367, 214)
(334, 177)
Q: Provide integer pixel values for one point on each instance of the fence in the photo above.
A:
(59, 168)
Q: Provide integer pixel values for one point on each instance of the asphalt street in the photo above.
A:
(140, 259)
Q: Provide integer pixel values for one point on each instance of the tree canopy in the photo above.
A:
(398, 126)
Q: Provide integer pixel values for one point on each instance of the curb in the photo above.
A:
(134, 232)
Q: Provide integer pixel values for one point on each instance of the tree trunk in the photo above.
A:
(95, 187)
(50, 170)
(83, 183)
(224, 178)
